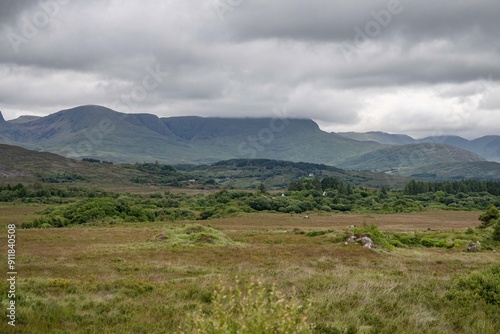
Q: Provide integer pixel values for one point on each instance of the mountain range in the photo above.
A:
(487, 146)
(98, 132)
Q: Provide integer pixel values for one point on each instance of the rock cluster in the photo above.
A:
(365, 240)
(473, 246)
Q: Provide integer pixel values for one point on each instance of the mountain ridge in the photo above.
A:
(409, 156)
(487, 146)
(23, 119)
(98, 132)
(380, 137)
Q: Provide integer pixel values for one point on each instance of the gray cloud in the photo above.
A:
(427, 62)
(11, 9)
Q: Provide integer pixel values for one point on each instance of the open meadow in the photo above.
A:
(150, 277)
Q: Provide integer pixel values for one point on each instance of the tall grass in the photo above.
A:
(254, 309)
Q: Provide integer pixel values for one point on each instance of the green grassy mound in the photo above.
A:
(193, 235)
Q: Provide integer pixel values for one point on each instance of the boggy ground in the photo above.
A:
(125, 279)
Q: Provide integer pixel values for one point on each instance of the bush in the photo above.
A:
(194, 235)
(429, 242)
(204, 215)
(251, 311)
(475, 301)
(260, 204)
(496, 231)
(45, 222)
(375, 234)
(489, 216)
(477, 287)
(318, 233)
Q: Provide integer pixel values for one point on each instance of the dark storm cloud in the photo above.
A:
(318, 59)
(420, 41)
(326, 20)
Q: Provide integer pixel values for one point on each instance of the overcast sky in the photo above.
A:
(416, 67)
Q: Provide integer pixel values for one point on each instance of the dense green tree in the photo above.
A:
(496, 231)
(489, 216)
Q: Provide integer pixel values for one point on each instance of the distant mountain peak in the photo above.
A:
(90, 108)
(1, 118)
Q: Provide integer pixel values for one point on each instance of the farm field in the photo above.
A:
(141, 278)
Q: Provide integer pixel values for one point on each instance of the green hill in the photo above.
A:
(18, 164)
(407, 159)
(482, 170)
(379, 137)
(488, 146)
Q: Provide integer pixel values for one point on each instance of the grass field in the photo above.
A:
(125, 278)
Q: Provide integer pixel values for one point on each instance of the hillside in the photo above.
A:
(482, 170)
(18, 164)
(416, 159)
(276, 174)
(488, 146)
(379, 137)
(23, 119)
(99, 132)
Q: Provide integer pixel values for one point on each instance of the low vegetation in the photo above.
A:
(87, 206)
(169, 277)
(476, 291)
(192, 235)
(251, 310)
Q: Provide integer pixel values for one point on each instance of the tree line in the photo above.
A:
(415, 187)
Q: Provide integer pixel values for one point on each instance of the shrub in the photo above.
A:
(470, 230)
(317, 233)
(45, 222)
(250, 311)
(408, 240)
(496, 231)
(260, 204)
(475, 287)
(429, 242)
(193, 235)
(206, 214)
(489, 216)
(375, 234)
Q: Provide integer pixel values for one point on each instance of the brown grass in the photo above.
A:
(18, 213)
(106, 275)
(436, 220)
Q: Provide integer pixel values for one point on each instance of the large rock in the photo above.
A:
(367, 242)
(473, 246)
